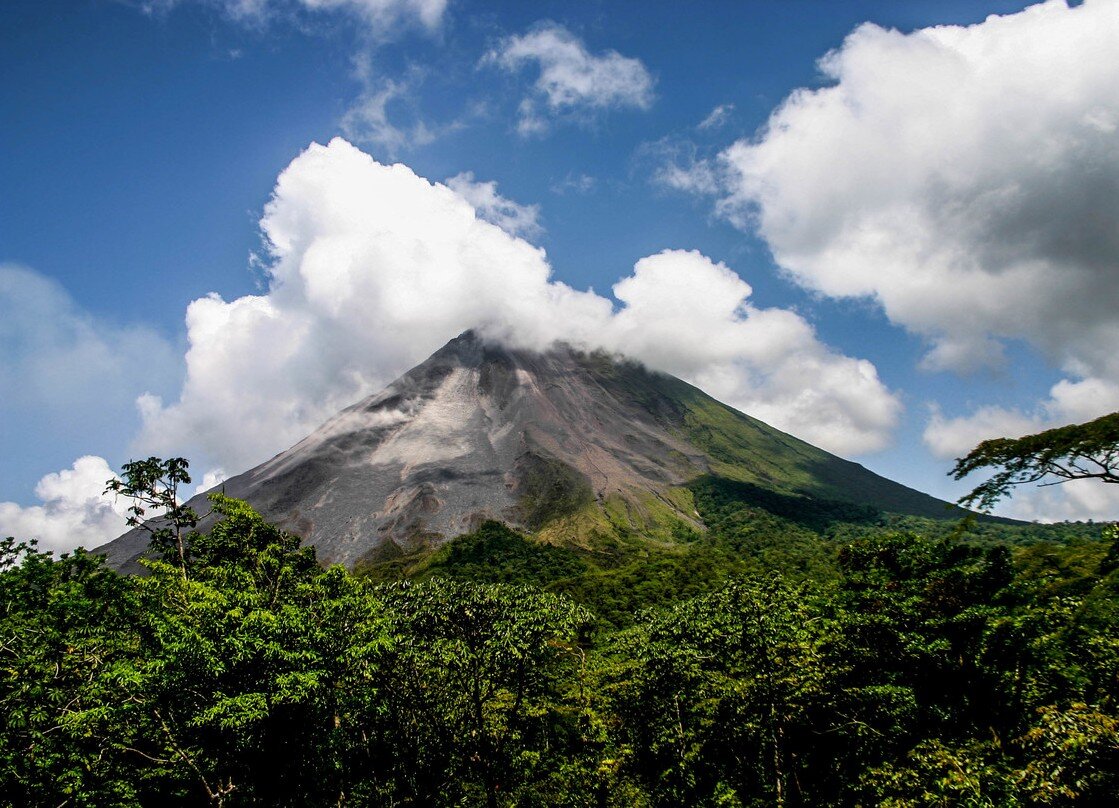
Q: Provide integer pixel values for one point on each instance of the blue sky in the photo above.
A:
(900, 215)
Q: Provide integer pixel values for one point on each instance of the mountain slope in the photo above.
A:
(538, 440)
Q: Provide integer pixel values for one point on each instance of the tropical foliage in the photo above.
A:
(853, 664)
(1088, 451)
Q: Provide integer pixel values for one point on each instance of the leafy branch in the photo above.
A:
(1074, 452)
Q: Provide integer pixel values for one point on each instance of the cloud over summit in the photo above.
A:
(372, 268)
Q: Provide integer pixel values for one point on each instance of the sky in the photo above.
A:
(889, 228)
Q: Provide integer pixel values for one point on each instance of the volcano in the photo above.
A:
(557, 443)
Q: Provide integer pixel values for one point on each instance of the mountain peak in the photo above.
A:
(535, 439)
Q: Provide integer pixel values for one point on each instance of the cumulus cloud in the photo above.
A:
(1074, 501)
(949, 438)
(966, 178)
(75, 511)
(210, 479)
(573, 82)
(512, 217)
(69, 378)
(690, 316)
(373, 267)
(381, 16)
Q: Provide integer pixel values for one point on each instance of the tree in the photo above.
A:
(258, 657)
(1073, 756)
(67, 625)
(477, 702)
(721, 692)
(153, 485)
(916, 699)
(1073, 452)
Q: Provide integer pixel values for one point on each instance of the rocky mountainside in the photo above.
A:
(561, 443)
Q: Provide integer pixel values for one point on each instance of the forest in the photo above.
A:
(819, 659)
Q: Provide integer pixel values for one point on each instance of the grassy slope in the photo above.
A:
(748, 450)
(745, 449)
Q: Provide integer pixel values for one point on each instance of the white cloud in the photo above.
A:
(717, 117)
(75, 510)
(382, 13)
(690, 316)
(954, 437)
(210, 479)
(966, 178)
(1068, 403)
(691, 176)
(1077, 500)
(373, 268)
(676, 163)
(381, 16)
(367, 120)
(386, 114)
(69, 378)
(512, 217)
(573, 82)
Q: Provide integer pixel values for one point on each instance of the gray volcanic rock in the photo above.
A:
(453, 442)
(480, 431)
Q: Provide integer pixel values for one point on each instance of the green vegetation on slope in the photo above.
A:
(746, 450)
(550, 490)
(615, 562)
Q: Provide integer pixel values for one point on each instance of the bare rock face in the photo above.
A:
(480, 431)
